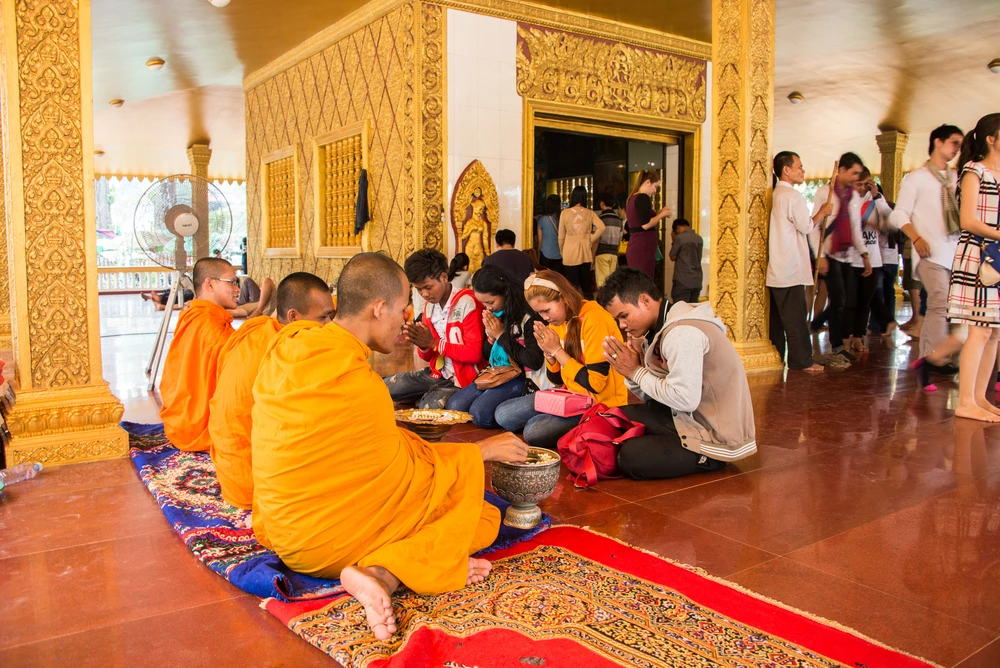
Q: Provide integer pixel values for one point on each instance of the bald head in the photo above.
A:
(209, 267)
(304, 296)
(367, 278)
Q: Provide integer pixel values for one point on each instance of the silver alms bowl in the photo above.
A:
(526, 485)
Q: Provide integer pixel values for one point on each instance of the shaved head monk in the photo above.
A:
(190, 370)
(339, 489)
(301, 296)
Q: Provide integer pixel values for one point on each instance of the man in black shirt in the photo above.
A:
(514, 262)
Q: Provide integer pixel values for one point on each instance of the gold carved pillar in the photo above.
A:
(891, 145)
(199, 156)
(743, 98)
(65, 411)
(6, 341)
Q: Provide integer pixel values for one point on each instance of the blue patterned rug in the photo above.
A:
(185, 487)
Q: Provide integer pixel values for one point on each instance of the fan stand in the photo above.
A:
(156, 358)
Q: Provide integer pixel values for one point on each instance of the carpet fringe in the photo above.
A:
(701, 572)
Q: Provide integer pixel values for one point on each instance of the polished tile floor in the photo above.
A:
(868, 504)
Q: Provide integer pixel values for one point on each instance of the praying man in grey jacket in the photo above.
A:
(697, 409)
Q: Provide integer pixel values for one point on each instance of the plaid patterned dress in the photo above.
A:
(969, 301)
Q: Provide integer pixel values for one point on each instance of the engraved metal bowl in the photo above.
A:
(526, 485)
(431, 423)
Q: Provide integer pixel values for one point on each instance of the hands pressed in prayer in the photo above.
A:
(504, 447)
(419, 335)
(547, 339)
(622, 357)
(494, 328)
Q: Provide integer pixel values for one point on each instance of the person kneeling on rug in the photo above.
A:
(698, 414)
(339, 489)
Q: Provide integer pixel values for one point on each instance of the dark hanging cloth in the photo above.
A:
(361, 216)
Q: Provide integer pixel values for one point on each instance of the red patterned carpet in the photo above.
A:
(573, 598)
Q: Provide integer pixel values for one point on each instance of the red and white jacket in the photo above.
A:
(463, 342)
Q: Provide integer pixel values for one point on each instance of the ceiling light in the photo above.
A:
(994, 66)
(219, 3)
(796, 98)
(98, 153)
(116, 103)
(155, 63)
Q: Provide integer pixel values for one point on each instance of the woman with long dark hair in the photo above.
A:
(969, 301)
(548, 234)
(642, 222)
(510, 326)
(573, 345)
(458, 271)
(579, 228)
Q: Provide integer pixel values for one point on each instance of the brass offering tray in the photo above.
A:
(435, 416)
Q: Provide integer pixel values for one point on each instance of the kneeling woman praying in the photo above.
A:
(509, 345)
(574, 357)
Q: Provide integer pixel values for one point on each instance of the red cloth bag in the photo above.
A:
(590, 449)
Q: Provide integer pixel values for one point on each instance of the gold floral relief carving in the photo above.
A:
(49, 420)
(564, 67)
(369, 74)
(433, 90)
(475, 210)
(68, 453)
(48, 67)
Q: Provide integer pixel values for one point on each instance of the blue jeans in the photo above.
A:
(540, 429)
(482, 404)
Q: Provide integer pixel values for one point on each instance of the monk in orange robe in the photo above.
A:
(339, 489)
(190, 370)
(301, 296)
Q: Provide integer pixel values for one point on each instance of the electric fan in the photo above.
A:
(179, 217)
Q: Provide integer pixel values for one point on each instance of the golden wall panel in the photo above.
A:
(342, 164)
(558, 66)
(281, 202)
(368, 74)
(433, 77)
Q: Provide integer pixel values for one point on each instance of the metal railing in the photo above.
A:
(133, 279)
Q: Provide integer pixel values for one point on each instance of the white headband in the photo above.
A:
(540, 282)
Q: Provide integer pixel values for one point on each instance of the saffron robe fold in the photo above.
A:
(229, 416)
(337, 483)
(189, 373)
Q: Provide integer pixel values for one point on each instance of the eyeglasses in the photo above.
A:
(235, 282)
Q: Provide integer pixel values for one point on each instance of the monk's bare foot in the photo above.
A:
(478, 570)
(375, 595)
(815, 368)
(985, 405)
(975, 413)
(266, 291)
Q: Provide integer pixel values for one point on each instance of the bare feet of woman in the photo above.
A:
(890, 330)
(858, 345)
(375, 594)
(478, 570)
(815, 368)
(976, 413)
(987, 406)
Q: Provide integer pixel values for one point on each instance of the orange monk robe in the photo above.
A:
(337, 483)
(229, 410)
(190, 371)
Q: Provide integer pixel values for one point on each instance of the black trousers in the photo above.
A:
(884, 299)
(548, 263)
(836, 279)
(790, 322)
(579, 276)
(858, 298)
(659, 454)
(682, 294)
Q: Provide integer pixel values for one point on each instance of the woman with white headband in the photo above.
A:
(572, 343)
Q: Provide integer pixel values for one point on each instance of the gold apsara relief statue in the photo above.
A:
(475, 208)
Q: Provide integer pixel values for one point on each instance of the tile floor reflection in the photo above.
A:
(867, 504)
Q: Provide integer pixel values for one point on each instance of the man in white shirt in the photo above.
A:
(789, 268)
(919, 213)
(860, 286)
(843, 232)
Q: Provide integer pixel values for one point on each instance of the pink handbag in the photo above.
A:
(562, 403)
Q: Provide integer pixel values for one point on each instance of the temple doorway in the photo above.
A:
(609, 166)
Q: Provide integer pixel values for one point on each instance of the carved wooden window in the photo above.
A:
(340, 157)
(280, 210)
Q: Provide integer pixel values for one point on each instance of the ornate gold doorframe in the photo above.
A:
(575, 118)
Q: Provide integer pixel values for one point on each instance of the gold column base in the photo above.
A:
(759, 357)
(66, 426)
